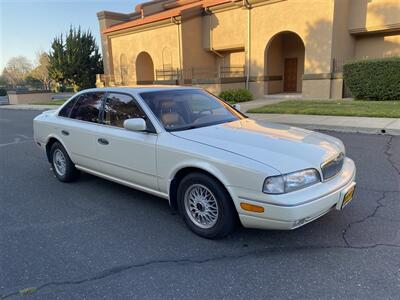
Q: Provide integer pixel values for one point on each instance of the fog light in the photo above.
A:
(251, 207)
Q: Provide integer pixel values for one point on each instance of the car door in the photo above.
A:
(124, 154)
(79, 121)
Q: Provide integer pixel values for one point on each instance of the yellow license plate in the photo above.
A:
(348, 196)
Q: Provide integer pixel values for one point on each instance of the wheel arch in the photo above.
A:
(180, 173)
(50, 141)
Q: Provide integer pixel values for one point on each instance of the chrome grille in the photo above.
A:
(332, 167)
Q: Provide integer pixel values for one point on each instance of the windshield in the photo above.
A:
(189, 109)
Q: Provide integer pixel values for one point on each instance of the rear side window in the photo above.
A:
(120, 107)
(66, 110)
(88, 107)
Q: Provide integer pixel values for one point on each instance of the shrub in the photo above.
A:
(3, 92)
(236, 95)
(375, 79)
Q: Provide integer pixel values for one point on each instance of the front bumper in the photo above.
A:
(292, 210)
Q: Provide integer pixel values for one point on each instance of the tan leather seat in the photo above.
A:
(169, 115)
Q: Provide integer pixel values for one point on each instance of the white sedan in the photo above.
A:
(211, 162)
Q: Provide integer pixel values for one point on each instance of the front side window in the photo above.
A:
(120, 107)
(189, 109)
(87, 107)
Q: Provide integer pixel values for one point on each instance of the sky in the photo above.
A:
(28, 26)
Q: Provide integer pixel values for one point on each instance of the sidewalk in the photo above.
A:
(347, 124)
(29, 106)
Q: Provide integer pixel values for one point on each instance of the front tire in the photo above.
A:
(206, 207)
(62, 166)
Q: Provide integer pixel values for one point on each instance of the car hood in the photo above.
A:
(284, 148)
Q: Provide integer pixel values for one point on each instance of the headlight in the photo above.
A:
(291, 182)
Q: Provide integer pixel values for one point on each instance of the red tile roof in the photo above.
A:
(163, 15)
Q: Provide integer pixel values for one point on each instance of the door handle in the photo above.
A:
(102, 141)
(64, 132)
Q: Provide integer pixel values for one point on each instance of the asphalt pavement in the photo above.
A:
(95, 239)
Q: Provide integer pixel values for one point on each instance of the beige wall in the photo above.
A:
(342, 41)
(282, 46)
(106, 20)
(153, 42)
(377, 46)
(28, 98)
(374, 13)
(193, 54)
(228, 29)
(232, 58)
(317, 89)
(328, 29)
(311, 21)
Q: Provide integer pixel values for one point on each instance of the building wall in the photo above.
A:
(342, 42)
(374, 14)
(376, 27)
(282, 46)
(313, 24)
(228, 29)
(193, 54)
(332, 32)
(232, 58)
(377, 46)
(107, 19)
(158, 43)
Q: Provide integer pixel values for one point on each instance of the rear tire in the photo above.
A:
(62, 166)
(206, 207)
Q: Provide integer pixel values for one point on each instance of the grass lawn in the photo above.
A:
(358, 108)
(55, 102)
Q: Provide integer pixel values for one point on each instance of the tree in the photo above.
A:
(16, 70)
(75, 60)
(41, 72)
(2, 80)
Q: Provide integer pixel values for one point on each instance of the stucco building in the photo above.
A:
(269, 46)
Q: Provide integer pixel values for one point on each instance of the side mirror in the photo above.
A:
(136, 124)
(236, 106)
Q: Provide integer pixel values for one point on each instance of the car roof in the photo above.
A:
(140, 89)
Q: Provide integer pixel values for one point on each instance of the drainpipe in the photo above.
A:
(178, 23)
(247, 5)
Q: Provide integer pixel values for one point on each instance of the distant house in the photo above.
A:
(269, 46)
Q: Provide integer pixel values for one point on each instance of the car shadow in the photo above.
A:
(324, 232)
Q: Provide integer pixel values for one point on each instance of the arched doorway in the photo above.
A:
(284, 63)
(144, 69)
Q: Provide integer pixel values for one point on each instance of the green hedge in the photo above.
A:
(236, 95)
(374, 79)
(3, 92)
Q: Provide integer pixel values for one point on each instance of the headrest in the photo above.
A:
(167, 105)
(171, 119)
